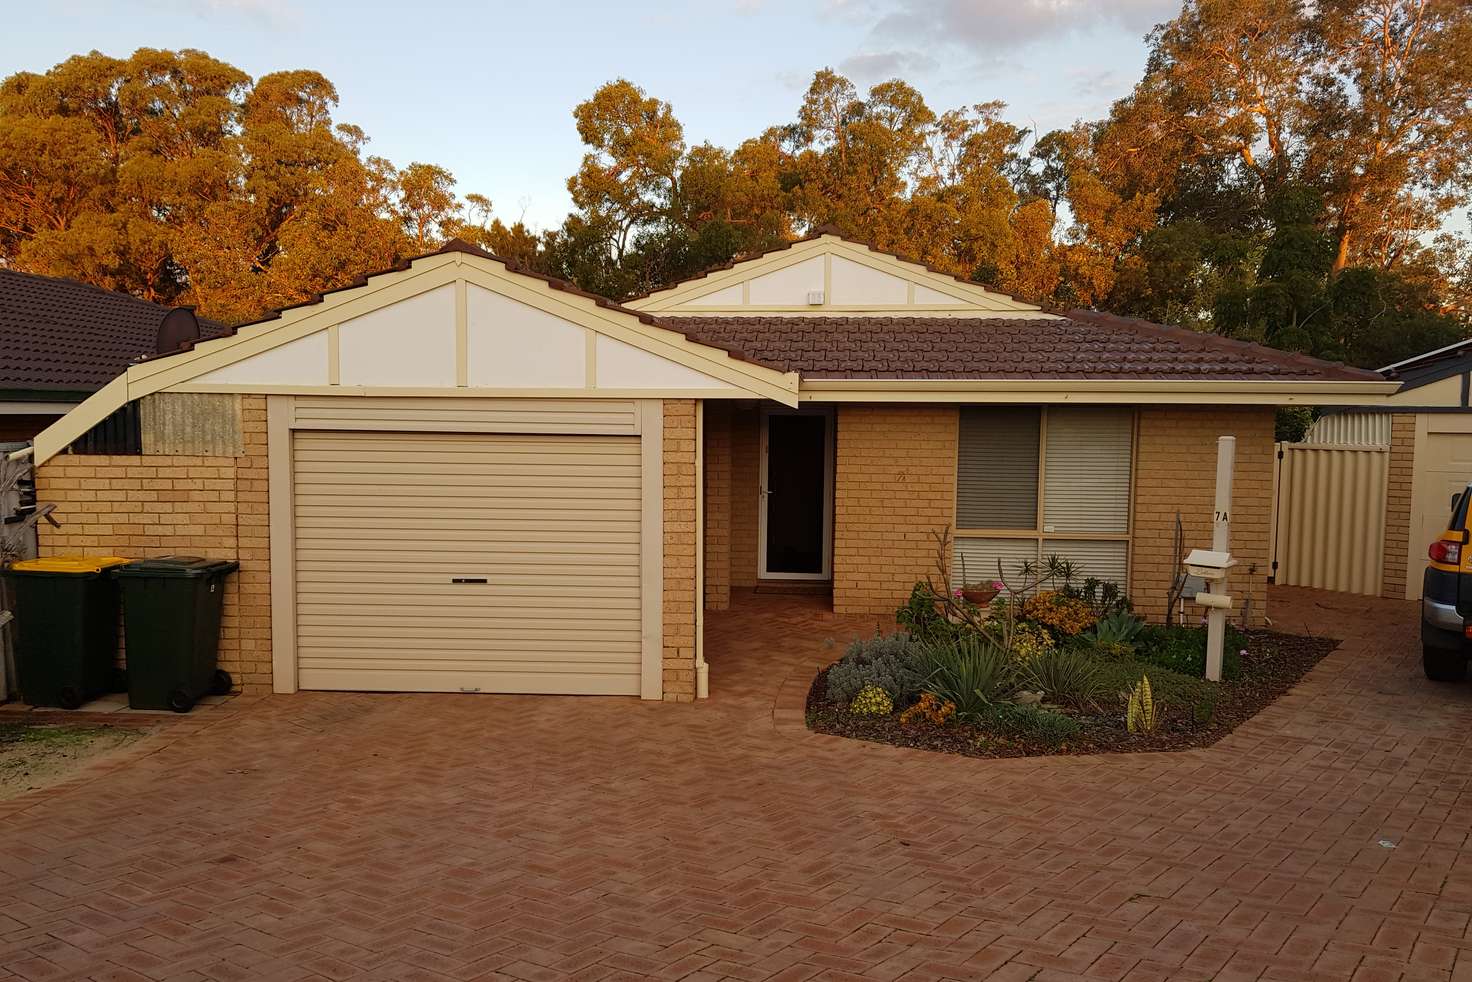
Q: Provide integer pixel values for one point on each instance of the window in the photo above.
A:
(1033, 482)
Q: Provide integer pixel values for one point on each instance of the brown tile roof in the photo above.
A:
(67, 337)
(1080, 344)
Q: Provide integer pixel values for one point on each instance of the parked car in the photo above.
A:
(1446, 598)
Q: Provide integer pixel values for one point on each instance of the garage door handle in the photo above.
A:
(468, 579)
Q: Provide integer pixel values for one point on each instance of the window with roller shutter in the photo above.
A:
(1038, 481)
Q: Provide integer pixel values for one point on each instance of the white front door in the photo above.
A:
(795, 537)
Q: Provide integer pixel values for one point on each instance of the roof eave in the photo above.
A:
(1213, 392)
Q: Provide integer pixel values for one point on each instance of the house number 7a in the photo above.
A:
(1222, 516)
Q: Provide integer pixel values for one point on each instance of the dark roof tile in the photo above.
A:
(63, 336)
(1079, 344)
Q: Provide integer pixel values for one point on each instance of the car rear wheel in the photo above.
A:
(1442, 665)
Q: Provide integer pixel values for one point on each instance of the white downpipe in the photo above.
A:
(1221, 541)
(702, 670)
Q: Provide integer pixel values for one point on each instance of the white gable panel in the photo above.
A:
(411, 342)
(299, 362)
(509, 344)
(623, 366)
(925, 295)
(788, 287)
(726, 297)
(855, 283)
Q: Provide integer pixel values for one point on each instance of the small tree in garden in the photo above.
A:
(998, 622)
(1178, 579)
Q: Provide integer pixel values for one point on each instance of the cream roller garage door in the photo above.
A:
(486, 563)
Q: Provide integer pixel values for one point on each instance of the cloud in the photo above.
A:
(982, 24)
(879, 66)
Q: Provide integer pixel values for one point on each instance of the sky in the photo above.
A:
(487, 89)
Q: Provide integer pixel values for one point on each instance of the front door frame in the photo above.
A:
(830, 458)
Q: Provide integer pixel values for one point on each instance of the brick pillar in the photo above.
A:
(679, 550)
(717, 505)
(1398, 505)
(745, 491)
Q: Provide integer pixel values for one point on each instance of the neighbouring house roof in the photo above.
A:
(61, 336)
(1078, 345)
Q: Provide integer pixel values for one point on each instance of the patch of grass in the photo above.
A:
(54, 735)
(1028, 723)
(1183, 649)
(1192, 698)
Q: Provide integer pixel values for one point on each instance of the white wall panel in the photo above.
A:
(509, 344)
(855, 283)
(410, 343)
(724, 297)
(299, 362)
(925, 295)
(623, 366)
(790, 286)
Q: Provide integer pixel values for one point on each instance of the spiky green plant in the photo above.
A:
(1143, 713)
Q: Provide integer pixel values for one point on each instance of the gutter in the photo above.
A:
(1322, 392)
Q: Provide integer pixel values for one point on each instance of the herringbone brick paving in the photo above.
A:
(404, 837)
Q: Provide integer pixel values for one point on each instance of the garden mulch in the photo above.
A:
(1272, 664)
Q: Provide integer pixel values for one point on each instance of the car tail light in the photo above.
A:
(1447, 553)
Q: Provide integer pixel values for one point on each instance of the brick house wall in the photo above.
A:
(1175, 470)
(679, 550)
(157, 505)
(894, 488)
(1402, 469)
(745, 490)
(717, 518)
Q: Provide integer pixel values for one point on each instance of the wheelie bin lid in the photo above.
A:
(66, 565)
(178, 566)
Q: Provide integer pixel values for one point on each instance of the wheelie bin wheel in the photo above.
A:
(69, 696)
(221, 683)
(180, 701)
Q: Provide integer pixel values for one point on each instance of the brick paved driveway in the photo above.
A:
(450, 837)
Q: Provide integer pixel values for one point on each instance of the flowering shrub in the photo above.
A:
(871, 701)
(1029, 642)
(887, 662)
(1064, 614)
(930, 709)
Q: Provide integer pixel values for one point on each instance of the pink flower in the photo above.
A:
(998, 585)
(958, 593)
(1243, 652)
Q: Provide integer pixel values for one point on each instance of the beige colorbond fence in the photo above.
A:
(1329, 516)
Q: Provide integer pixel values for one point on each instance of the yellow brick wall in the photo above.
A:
(745, 488)
(151, 505)
(1175, 470)
(679, 550)
(1398, 505)
(895, 486)
(717, 461)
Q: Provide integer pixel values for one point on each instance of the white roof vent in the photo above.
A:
(815, 298)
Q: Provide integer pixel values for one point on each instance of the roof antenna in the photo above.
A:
(179, 327)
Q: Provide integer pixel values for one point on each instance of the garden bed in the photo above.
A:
(1063, 671)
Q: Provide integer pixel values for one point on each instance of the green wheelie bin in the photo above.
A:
(171, 620)
(66, 620)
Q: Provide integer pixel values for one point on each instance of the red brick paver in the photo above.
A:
(337, 836)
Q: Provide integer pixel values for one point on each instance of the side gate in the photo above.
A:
(1328, 528)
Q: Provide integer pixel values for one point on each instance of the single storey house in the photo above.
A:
(61, 341)
(458, 476)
